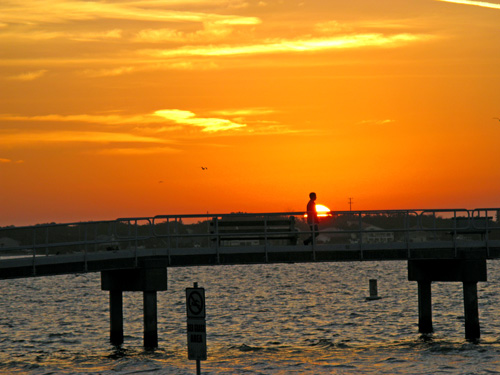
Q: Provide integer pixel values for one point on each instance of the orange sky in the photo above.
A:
(110, 108)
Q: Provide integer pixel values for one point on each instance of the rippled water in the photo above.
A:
(261, 319)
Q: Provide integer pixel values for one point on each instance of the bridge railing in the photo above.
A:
(54, 239)
(345, 229)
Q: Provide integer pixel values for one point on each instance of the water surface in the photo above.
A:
(261, 319)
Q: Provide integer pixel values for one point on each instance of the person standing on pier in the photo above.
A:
(312, 219)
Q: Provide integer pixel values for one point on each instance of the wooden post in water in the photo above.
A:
(471, 308)
(424, 307)
(373, 290)
(116, 317)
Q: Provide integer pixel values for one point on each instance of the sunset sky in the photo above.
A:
(110, 108)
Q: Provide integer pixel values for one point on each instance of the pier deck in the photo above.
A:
(194, 240)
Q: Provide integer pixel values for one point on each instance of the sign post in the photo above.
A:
(196, 325)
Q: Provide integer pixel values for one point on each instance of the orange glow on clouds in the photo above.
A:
(292, 46)
(475, 3)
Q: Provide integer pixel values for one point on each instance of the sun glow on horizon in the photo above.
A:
(322, 211)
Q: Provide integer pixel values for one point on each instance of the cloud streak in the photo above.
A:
(95, 119)
(165, 126)
(202, 57)
(483, 4)
(61, 11)
(209, 124)
(156, 36)
(137, 151)
(293, 46)
(163, 116)
(75, 136)
(376, 122)
(29, 76)
(245, 112)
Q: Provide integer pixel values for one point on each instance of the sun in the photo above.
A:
(323, 211)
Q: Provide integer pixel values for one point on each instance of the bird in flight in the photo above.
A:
(204, 168)
(496, 118)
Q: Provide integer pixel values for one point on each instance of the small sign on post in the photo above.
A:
(196, 325)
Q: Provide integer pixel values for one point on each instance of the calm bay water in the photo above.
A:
(261, 319)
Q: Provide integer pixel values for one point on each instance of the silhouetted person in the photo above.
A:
(312, 218)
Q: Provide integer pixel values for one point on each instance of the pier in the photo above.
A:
(134, 254)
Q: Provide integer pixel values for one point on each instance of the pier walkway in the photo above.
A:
(134, 254)
(203, 240)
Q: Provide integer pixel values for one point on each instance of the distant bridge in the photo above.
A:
(133, 254)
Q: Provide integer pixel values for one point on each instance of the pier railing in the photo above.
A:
(357, 230)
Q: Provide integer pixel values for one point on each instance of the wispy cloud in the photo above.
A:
(294, 46)
(75, 136)
(211, 32)
(96, 119)
(163, 116)
(95, 36)
(160, 127)
(376, 122)
(60, 11)
(174, 64)
(209, 124)
(203, 57)
(29, 76)
(331, 27)
(169, 37)
(112, 72)
(271, 127)
(43, 35)
(2, 160)
(483, 4)
(244, 112)
(138, 151)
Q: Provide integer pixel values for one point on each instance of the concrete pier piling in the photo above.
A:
(424, 307)
(150, 320)
(149, 278)
(116, 317)
(471, 309)
(468, 271)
